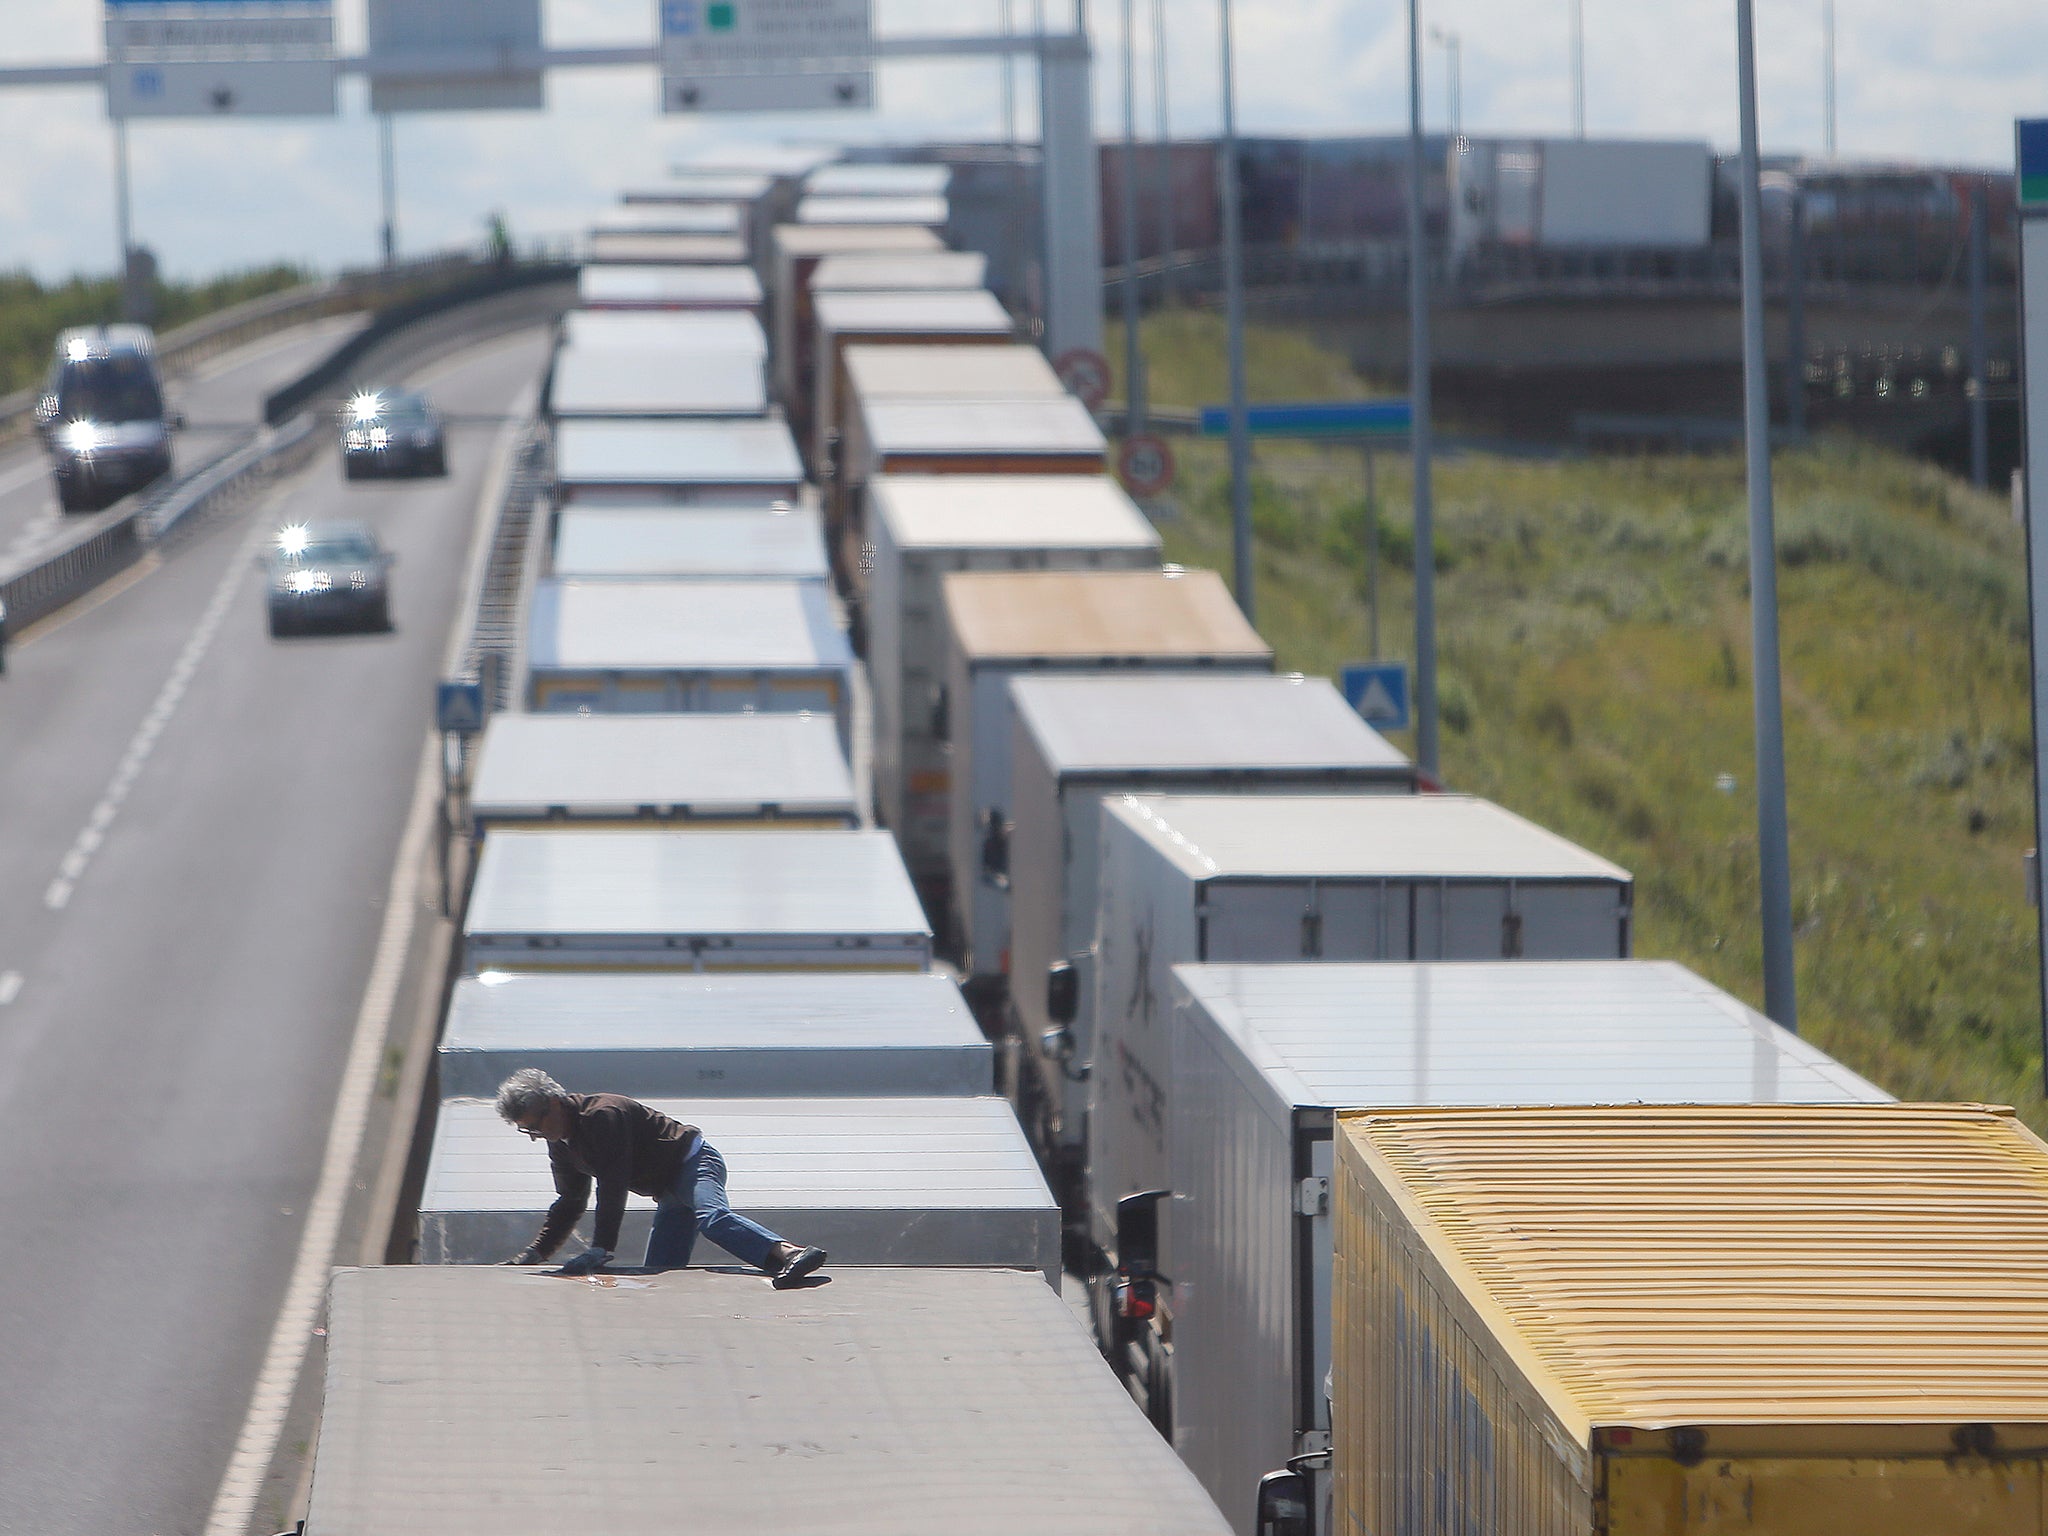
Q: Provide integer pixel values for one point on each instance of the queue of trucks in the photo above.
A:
(1214, 1126)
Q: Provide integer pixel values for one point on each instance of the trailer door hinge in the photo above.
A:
(1313, 1197)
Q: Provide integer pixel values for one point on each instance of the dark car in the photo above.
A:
(102, 415)
(392, 432)
(328, 574)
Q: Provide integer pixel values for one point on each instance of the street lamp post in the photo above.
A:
(1454, 80)
(1233, 295)
(1827, 77)
(1418, 393)
(1134, 352)
(1578, 69)
(1167, 231)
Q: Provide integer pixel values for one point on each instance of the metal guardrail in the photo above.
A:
(491, 654)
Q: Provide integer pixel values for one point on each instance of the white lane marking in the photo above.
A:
(234, 1506)
(10, 987)
(59, 892)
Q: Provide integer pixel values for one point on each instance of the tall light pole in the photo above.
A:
(1578, 69)
(1774, 859)
(1233, 295)
(388, 168)
(1827, 77)
(1454, 80)
(1418, 394)
(1003, 24)
(1167, 229)
(1134, 353)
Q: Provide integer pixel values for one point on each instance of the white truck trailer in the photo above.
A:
(932, 317)
(705, 771)
(751, 1036)
(708, 330)
(670, 288)
(878, 178)
(1266, 1056)
(924, 528)
(692, 901)
(774, 543)
(795, 251)
(899, 271)
(1082, 736)
(905, 1402)
(921, 212)
(641, 383)
(681, 461)
(640, 248)
(1002, 626)
(940, 1182)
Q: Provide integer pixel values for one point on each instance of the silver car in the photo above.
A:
(328, 574)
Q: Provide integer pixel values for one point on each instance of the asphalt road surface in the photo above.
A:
(197, 830)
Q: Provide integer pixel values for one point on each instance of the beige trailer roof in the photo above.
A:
(937, 311)
(998, 615)
(825, 239)
(931, 211)
(1010, 371)
(665, 250)
(1024, 512)
(895, 271)
(1749, 1265)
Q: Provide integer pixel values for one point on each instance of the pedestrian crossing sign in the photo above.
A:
(1378, 690)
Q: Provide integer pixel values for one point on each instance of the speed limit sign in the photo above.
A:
(1086, 375)
(1145, 465)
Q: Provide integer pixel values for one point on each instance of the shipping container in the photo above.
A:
(796, 251)
(1080, 737)
(1265, 1055)
(725, 770)
(879, 180)
(722, 1037)
(669, 900)
(899, 271)
(1267, 878)
(675, 647)
(669, 288)
(913, 1402)
(633, 248)
(925, 528)
(714, 330)
(672, 218)
(644, 383)
(923, 1182)
(721, 461)
(1002, 625)
(1821, 1320)
(775, 543)
(1580, 193)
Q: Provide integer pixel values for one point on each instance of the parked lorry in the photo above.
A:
(670, 288)
(703, 330)
(724, 462)
(644, 383)
(796, 251)
(1581, 193)
(923, 1182)
(899, 271)
(692, 901)
(1779, 1320)
(742, 1036)
(925, 527)
(935, 317)
(918, 1402)
(654, 542)
(1236, 1352)
(1082, 736)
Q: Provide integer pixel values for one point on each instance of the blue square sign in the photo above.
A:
(1378, 690)
(459, 707)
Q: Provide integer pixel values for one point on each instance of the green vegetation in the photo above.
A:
(31, 315)
(1594, 653)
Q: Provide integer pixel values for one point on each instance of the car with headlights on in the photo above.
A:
(392, 432)
(101, 415)
(328, 574)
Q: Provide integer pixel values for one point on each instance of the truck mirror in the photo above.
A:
(1283, 1505)
(1062, 992)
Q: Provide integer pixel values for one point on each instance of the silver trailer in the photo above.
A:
(954, 371)
(676, 461)
(698, 330)
(783, 771)
(666, 900)
(669, 288)
(1003, 626)
(499, 1402)
(1264, 1056)
(795, 251)
(643, 383)
(1247, 878)
(842, 320)
(1082, 736)
(672, 218)
(879, 179)
(689, 186)
(925, 1182)
(637, 248)
(918, 212)
(719, 1037)
(695, 647)
(899, 271)
(924, 528)
(775, 543)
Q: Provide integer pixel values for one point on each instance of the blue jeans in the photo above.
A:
(696, 1203)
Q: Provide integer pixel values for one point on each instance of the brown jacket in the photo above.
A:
(623, 1145)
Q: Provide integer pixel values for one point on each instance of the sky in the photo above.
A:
(1916, 81)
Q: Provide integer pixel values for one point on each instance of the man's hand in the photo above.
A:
(588, 1262)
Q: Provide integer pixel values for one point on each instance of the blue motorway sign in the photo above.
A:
(1317, 418)
(2033, 161)
(1378, 690)
(459, 708)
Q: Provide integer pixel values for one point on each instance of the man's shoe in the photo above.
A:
(800, 1264)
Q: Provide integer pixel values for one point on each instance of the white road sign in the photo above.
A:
(412, 31)
(220, 58)
(766, 55)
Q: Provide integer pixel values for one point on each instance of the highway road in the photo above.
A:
(197, 830)
(222, 399)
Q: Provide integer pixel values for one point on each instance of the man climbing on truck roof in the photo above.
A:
(625, 1145)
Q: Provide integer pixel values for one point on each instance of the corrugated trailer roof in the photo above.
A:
(599, 453)
(715, 330)
(1436, 837)
(641, 382)
(1052, 428)
(930, 212)
(877, 1181)
(682, 883)
(538, 767)
(935, 311)
(672, 218)
(969, 371)
(620, 287)
(1497, 1032)
(1001, 615)
(888, 1403)
(799, 240)
(1172, 722)
(637, 248)
(671, 625)
(782, 543)
(1775, 1265)
(879, 179)
(642, 1034)
(899, 271)
(1025, 512)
